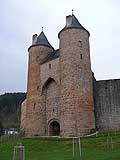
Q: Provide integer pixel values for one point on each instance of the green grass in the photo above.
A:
(93, 148)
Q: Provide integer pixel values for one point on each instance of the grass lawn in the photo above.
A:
(93, 148)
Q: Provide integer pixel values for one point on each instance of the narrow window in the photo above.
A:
(34, 106)
(37, 88)
(49, 66)
(81, 56)
(37, 58)
(106, 87)
(80, 43)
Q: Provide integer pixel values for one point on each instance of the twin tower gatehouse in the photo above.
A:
(63, 97)
(60, 90)
(60, 97)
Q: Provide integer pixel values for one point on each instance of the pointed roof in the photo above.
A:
(74, 24)
(41, 40)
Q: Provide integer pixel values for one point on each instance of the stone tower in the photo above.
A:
(77, 107)
(35, 112)
(60, 90)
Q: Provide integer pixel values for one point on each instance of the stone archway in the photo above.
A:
(54, 128)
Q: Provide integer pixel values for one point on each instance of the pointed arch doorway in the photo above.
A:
(54, 128)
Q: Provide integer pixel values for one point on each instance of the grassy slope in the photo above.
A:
(37, 149)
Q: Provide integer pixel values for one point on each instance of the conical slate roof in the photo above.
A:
(74, 24)
(41, 40)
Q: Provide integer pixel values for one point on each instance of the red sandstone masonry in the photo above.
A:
(76, 83)
(35, 112)
(64, 92)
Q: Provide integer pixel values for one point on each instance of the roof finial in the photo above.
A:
(42, 29)
(72, 11)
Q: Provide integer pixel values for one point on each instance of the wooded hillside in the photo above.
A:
(10, 109)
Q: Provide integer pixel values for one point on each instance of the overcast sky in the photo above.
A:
(20, 19)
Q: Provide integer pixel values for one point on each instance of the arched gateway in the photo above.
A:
(54, 128)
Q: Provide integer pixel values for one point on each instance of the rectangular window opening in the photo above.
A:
(81, 56)
(49, 66)
(80, 43)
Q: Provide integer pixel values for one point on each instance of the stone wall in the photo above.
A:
(77, 105)
(107, 104)
(35, 112)
(50, 69)
(50, 85)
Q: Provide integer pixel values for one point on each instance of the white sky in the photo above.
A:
(19, 20)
